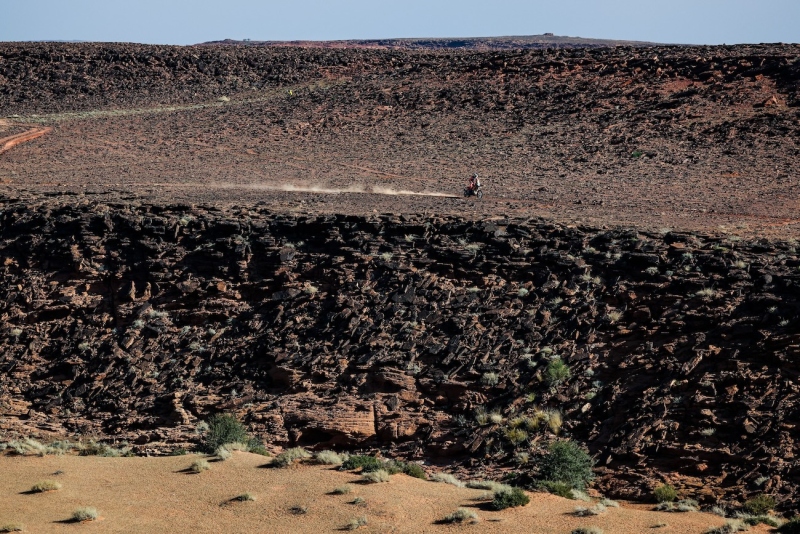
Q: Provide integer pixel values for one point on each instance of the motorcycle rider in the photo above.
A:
(474, 182)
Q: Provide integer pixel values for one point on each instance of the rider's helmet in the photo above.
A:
(475, 176)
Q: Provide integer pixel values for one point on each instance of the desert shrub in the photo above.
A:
(366, 463)
(12, 527)
(495, 418)
(754, 520)
(244, 497)
(223, 428)
(180, 451)
(46, 485)
(516, 435)
(665, 493)
(374, 477)
(557, 372)
(223, 454)
(587, 530)
(460, 515)
(759, 505)
(342, 490)
(359, 501)
(356, 523)
(729, 528)
(299, 510)
(92, 448)
(790, 527)
(447, 478)
(562, 489)
(609, 503)
(412, 469)
(84, 514)
(509, 499)
(490, 379)
(684, 505)
(258, 448)
(567, 462)
(491, 485)
(198, 466)
(578, 495)
(597, 509)
(554, 420)
(329, 458)
(288, 457)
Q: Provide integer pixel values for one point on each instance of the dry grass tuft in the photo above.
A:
(46, 485)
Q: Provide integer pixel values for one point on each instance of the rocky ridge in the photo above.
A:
(397, 332)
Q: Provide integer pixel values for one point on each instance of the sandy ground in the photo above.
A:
(156, 495)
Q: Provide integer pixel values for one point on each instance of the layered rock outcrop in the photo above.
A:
(134, 322)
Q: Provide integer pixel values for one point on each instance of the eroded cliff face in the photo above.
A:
(135, 322)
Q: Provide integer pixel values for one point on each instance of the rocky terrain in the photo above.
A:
(521, 42)
(209, 229)
(395, 332)
(625, 136)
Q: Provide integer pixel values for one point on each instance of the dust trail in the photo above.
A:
(376, 190)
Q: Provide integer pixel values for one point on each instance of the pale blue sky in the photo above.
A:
(189, 22)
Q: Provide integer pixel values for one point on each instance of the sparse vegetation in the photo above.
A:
(587, 530)
(342, 490)
(510, 498)
(490, 379)
(729, 528)
(557, 372)
(223, 428)
(329, 458)
(665, 493)
(562, 489)
(85, 514)
(245, 497)
(198, 466)
(759, 505)
(684, 505)
(12, 527)
(299, 510)
(583, 511)
(567, 462)
(516, 436)
(447, 478)
(460, 516)
(46, 485)
(365, 463)
(375, 477)
(356, 523)
(289, 456)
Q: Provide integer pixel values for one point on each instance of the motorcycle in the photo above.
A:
(477, 192)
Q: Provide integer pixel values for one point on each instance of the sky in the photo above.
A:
(184, 22)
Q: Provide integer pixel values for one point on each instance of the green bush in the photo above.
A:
(557, 372)
(665, 493)
(562, 489)
(509, 499)
(412, 469)
(790, 527)
(759, 505)
(366, 463)
(567, 462)
(223, 428)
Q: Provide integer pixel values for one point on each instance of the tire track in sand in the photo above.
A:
(7, 143)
